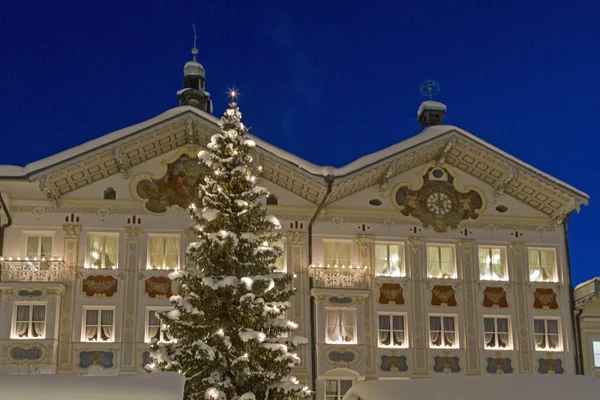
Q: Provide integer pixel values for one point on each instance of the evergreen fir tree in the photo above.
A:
(229, 332)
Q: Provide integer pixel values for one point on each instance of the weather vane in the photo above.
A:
(194, 49)
(429, 88)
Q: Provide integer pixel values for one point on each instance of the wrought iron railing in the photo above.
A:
(348, 277)
(27, 270)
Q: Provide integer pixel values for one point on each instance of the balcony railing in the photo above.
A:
(26, 270)
(347, 277)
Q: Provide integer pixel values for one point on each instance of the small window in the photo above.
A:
(542, 265)
(153, 325)
(272, 200)
(341, 326)
(337, 253)
(496, 333)
(596, 349)
(29, 321)
(98, 325)
(163, 252)
(392, 330)
(103, 250)
(492, 264)
(280, 263)
(442, 331)
(547, 334)
(440, 261)
(389, 259)
(335, 389)
(110, 194)
(39, 246)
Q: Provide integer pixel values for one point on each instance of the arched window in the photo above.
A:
(272, 200)
(110, 194)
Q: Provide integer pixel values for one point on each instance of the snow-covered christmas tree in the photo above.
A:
(229, 332)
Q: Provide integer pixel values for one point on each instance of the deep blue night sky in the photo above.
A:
(329, 82)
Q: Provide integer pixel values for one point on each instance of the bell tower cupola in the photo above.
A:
(194, 84)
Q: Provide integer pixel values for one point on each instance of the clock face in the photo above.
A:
(439, 203)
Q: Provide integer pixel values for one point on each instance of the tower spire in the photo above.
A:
(194, 83)
(194, 49)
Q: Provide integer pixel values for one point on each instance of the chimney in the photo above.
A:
(431, 113)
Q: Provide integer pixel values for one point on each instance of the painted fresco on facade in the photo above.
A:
(393, 364)
(499, 365)
(100, 286)
(446, 364)
(96, 358)
(545, 299)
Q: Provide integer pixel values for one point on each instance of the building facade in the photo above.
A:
(439, 255)
(587, 325)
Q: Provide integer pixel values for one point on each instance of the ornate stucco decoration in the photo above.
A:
(100, 286)
(26, 353)
(158, 287)
(437, 203)
(72, 231)
(176, 185)
(499, 365)
(545, 299)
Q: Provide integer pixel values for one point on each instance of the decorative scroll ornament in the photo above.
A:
(437, 203)
(550, 366)
(100, 286)
(446, 364)
(499, 365)
(393, 364)
(545, 299)
(495, 297)
(158, 287)
(443, 295)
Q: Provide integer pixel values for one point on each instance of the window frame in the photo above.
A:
(391, 330)
(401, 264)
(595, 360)
(161, 335)
(163, 236)
(13, 333)
(559, 346)
(442, 331)
(496, 334)
(340, 310)
(338, 395)
(39, 235)
(337, 255)
(503, 250)
(555, 266)
(440, 246)
(85, 309)
(104, 235)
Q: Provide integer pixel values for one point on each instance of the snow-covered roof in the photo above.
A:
(156, 386)
(501, 387)
(431, 105)
(582, 284)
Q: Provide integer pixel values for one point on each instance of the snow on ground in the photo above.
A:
(501, 387)
(156, 386)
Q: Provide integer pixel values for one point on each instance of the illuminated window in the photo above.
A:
(542, 265)
(98, 324)
(335, 389)
(596, 349)
(442, 331)
(153, 325)
(440, 261)
(103, 251)
(492, 264)
(341, 326)
(163, 251)
(29, 321)
(547, 334)
(392, 330)
(496, 333)
(337, 253)
(39, 246)
(389, 259)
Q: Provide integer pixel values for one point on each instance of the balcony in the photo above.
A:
(339, 277)
(27, 270)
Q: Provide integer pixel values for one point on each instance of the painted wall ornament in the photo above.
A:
(341, 356)
(24, 352)
(393, 364)
(391, 293)
(550, 366)
(438, 204)
(495, 297)
(545, 299)
(96, 358)
(446, 364)
(339, 300)
(100, 286)
(499, 365)
(177, 185)
(30, 294)
(443, 295)
(158, 287)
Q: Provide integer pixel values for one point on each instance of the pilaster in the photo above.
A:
(297, 266)
(467, 248)
(133, 237)
(517, 255)
(71, 257)
(365, 258)
(416, 245)
(365, 250)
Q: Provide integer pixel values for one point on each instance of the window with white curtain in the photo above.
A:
(341, 326)
(442, 331)
(163, 251)
(153, 325)
(335, 389)
(392, 330)
(547, 334)
(98, 324)
(492, 264)
(496, 333)
(596, 350)
(103, 251)
(38, 246)
(337, 253)
(440, 261)
(29, 321)
(542, 265)
(280, 263)
(389, 259)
